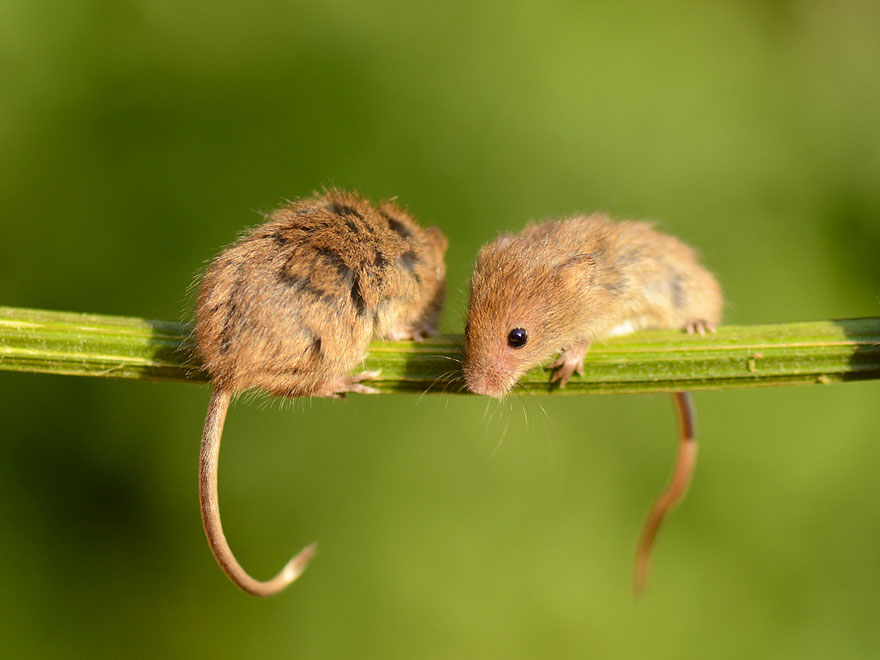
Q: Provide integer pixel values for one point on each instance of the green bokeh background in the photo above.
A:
(137, 138)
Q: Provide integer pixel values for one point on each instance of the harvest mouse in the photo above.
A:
(290, 309)
(558, 286)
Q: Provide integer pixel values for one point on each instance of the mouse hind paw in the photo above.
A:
(699, 326)
(337, 389)
(417, 332)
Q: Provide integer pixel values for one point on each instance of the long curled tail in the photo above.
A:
(675, 489)
(208, 461)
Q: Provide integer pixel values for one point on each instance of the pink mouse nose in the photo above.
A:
(487, 383)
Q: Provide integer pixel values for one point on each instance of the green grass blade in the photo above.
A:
(816, 352)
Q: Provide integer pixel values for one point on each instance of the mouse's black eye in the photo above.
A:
(517, 338)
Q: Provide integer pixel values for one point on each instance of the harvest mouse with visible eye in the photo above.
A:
(290, 309)
(558, 286)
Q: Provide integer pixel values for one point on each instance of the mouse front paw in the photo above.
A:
(569, 363)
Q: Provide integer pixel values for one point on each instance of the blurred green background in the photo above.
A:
(137, 138)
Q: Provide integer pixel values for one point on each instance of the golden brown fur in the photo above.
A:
(566, 284)
(291, 307)
(572, 282)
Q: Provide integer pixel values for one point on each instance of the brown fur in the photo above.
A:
(291, 307)
(572, 282)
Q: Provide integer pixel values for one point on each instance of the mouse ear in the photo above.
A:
(436, 236)
(580, 260)
(503, 240)
(494, 247)
(577, 271)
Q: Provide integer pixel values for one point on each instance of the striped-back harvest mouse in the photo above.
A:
(558, 286)
(290, 309)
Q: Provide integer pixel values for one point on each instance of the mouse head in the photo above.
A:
(521, 311)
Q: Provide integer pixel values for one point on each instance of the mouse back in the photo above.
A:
(295, 301)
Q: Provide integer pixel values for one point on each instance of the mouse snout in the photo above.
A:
(488, 382)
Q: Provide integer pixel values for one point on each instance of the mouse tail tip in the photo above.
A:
(298, 564)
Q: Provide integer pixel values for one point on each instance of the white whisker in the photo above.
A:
(434, 382)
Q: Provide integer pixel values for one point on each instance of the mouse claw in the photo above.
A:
(338, 388)
(416, 333)
(699, 326)
(569, 363)
(403, 334)
(353, 383)
(363, 389)
(365, 375)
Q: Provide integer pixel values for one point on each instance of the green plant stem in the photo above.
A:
(817, 352)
